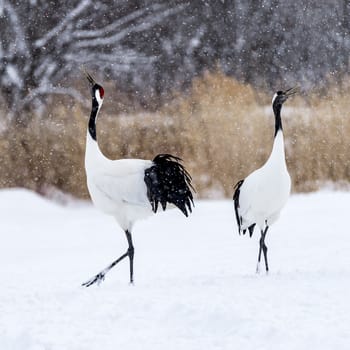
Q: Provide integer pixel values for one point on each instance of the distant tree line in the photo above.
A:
(153, 47)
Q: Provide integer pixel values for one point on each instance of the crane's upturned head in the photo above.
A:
(282, 96)
(97, 90)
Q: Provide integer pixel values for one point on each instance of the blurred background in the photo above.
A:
(191, 78)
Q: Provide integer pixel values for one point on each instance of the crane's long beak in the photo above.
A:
(88, 76)
(292, 91)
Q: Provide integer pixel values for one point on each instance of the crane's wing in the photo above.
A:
(124, 181)
(140, 182)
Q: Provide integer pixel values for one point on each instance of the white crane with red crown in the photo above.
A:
(131, 189)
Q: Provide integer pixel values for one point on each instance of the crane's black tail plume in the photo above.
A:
(169, 182)
(236, 201)
(238, 216)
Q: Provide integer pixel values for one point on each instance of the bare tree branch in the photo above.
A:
(42, 44)
(60, 27)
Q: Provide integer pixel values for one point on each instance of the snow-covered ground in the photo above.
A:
(196, 286)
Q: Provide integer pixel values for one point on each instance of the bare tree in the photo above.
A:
(43, 44)
(153, 47)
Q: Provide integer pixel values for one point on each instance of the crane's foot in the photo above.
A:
(258, 269)
(96, 279)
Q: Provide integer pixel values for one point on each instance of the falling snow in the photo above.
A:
(196, 286)
(151, 48)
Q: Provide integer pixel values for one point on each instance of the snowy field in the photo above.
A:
(196, 287)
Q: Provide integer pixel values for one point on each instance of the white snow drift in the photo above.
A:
(195, 282)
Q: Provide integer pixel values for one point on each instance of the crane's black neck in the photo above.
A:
(92, 120)
(278, 121)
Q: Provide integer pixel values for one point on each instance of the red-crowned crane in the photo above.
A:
(260, 197)
(131, 189)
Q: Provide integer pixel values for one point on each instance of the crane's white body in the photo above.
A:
(117, 187)
(266, 190)
(131, 189)
(260, 197)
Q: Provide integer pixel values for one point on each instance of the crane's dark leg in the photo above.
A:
(131, 251)
(259, 256)
(101, 275)
(263, 248)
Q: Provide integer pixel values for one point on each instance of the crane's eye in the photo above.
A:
(102, 92)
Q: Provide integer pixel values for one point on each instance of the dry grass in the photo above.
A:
(319, 142)
(221, 128)
(48, 153)
(229, 132)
